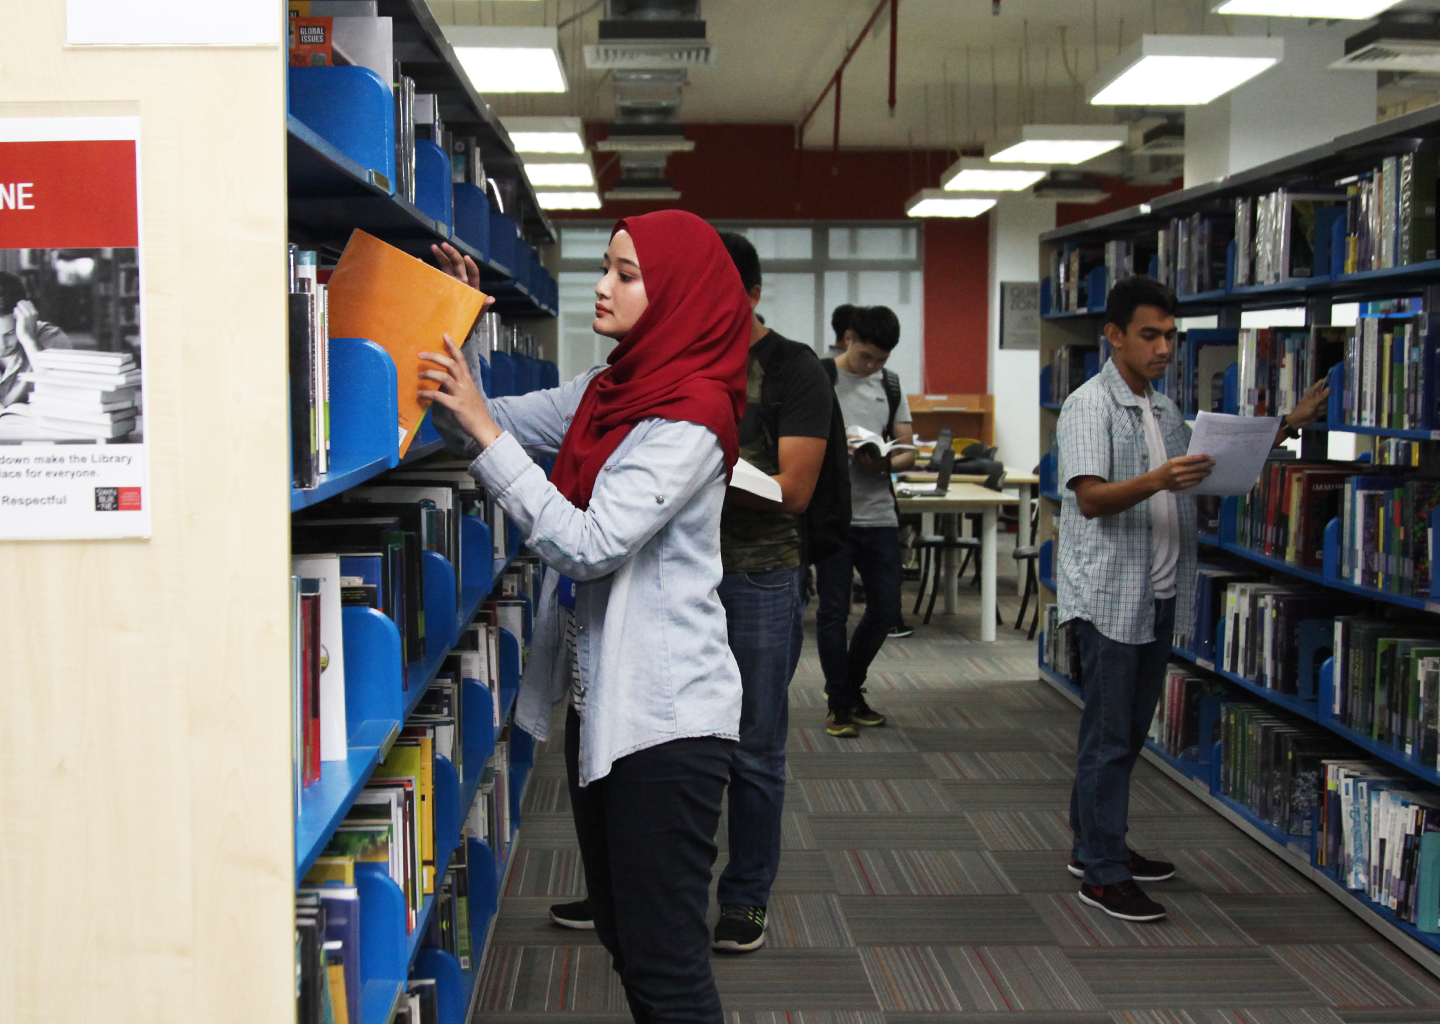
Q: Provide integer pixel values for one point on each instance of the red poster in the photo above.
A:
(67, 194)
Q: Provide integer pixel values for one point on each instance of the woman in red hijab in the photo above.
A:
(630, 628)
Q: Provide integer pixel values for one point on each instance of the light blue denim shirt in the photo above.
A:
(653, 650)
(1103, 568)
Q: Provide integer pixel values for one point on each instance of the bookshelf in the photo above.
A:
(334, 188)
(1346, 156)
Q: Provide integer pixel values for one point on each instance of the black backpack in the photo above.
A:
(825, 524)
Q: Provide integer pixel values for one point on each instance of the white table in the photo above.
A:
(967, 497)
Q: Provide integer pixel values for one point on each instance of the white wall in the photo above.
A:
(1295, 105)
(1014, 377)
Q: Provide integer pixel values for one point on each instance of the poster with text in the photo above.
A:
(73, 453)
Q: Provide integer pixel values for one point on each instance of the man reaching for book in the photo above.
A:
(1126, 573)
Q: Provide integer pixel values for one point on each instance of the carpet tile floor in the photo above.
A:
(923, 881)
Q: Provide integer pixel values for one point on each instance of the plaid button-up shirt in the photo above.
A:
(1103, 568)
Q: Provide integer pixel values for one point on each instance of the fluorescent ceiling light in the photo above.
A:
(1051, 144)
(568, 200)
(936, 202)
(1170, 71)
(505, 58)
(545, 134)
(548, 175)
(1356, 9)
(971, 175)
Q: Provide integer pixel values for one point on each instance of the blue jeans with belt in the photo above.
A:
(763, 611)
(1122, 683)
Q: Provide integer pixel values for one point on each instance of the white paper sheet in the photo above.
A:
(748, 478)
(174, 23)
(1238, 444)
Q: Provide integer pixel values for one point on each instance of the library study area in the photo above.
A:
(720, 511)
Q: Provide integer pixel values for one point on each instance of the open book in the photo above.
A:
(748, 478)
(860, 437)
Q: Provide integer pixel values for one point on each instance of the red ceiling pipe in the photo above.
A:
(834, 82)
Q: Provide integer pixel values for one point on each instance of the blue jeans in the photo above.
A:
(873, 551)
(1122, 685)
(763, 611)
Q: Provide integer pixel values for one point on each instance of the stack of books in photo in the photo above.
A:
(82, 395)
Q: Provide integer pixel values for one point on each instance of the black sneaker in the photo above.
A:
(1142, 869)
(573, 915)
(901, 630)
(839, 725)
(740, 929)
(1124, 900)
(864, 714)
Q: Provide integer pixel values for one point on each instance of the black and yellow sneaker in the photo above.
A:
(863, 714)
(740, 929)
(838, 724)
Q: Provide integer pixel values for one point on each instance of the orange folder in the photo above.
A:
(404, 306)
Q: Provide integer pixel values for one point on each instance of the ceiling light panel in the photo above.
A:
(971, 175)
(1052, 144)
(588, 200)
(545, 134)
(935, 202)
(1165, 71)
(548, 175)
(1354, 9)
(506, 59)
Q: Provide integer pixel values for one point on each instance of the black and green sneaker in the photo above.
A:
(740, 929)
(839, 725)
(863, 714)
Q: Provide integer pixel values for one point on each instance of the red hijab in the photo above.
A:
(685, 358)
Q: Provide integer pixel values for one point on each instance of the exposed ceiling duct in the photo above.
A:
(1406, 40)
(648, 45)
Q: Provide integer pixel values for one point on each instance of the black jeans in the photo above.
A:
(1122, 683)
(873, 551)
(647, 838)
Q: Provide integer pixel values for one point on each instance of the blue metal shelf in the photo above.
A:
(362, 405)
(1307, 709)
(324, 803)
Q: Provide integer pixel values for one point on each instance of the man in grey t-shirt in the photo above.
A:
(870, 396)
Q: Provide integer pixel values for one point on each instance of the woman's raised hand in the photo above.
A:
(459, 393)
(461, 268)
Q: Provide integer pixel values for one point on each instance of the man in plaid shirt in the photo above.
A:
(1126, 572)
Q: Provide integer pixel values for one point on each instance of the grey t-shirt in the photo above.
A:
(863, 403)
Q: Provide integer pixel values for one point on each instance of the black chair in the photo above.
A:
(1030, 555)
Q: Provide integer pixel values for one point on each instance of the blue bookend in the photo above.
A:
(484, 881)
(549, 374)
(451, 991)
(509, 672)
(1327, 219)
(1335, 403)
(1232, 389)
(1049, 486)
(382, 942)
(372, 673)
(448, 812)
(479, 725)
(1097, 285)
(351, 108)
(362, 411)
(1317, 638)
(1046, 567)
(502, 375)
(1047, 391)
(432, 182)
(504, 241)
(1330, 559)
(440, 621)
(1045, 300)
(477, 563)
(472, 215)
(1339, 248)
(1325, 691)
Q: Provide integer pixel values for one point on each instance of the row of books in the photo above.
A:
(449, 925)
(1277, 634)
(1070, 276)
(1186, 715)
(490, 819)
(1285, 514)
(1195, 376)
(1387, 683)
(1380, 835)
(1275, 366)
(1059, 651)
(1192, 252)
(1390, 374)
(1071, 366)
(327, 955)
(1397, 451)
(1272, 764)
(309, 313)
(1390, 213)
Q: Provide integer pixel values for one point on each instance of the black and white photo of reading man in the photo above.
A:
(22, 335)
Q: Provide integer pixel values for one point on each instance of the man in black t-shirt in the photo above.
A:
(761, 549)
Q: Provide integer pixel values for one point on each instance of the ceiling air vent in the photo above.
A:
(1063, 188)
(1399, 41)
(651, 34)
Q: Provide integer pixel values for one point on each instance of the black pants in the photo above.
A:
(647, 838)
(873, 551)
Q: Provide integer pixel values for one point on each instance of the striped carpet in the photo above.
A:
(923, 881)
